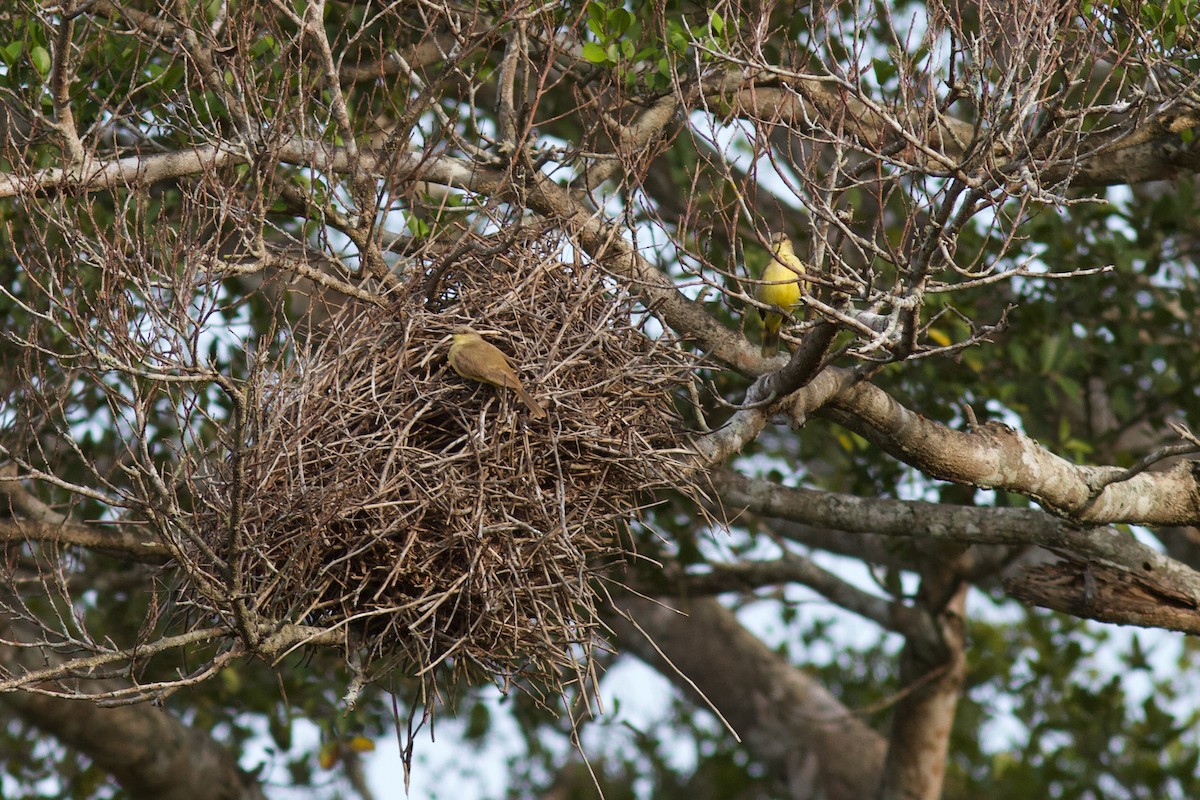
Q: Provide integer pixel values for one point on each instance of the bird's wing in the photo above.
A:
(487, 363)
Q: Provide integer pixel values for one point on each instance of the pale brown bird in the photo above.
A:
(477, 360)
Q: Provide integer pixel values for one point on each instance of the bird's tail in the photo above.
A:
(535, 407)
(770, 336)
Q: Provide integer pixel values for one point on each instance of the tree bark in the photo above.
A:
(149, 752)
(932, 669)
(812, 743)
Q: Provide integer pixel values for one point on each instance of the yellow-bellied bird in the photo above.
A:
(781, 287)
(477, 360)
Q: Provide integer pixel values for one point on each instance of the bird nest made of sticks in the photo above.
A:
(434, 519)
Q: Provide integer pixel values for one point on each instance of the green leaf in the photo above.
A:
(677, 37)
(263, 46)
(595, 53)
(619, 21)
(420, 229)
(40, 57)
(11, 52)
(597, 18)
(1050, 349)
(884, 69)
(716, 23)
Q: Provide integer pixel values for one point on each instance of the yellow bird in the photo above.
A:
(477, 360)
(781, 288)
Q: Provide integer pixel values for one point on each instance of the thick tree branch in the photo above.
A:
(962, 524)
(98, 176)
(150, 753)
(1095, 591)
(812, 743)
(128, 543)
(34, 521)
(996, 456)
(932, 669)
(632, 138)
(1182, 544)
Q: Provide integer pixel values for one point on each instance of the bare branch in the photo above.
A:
(790, 568)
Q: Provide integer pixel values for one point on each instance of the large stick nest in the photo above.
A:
(432, 516)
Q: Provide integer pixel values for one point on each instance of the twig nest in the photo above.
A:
(431, 517)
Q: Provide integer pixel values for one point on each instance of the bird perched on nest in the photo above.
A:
(781, 287)
(477, 360)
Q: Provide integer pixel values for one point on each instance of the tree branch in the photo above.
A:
(150, 753)
(933, 667)
(1100, 592)
(996, 456)
(792, 568)
(37, 522)
(963, 524)
(812, 743)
